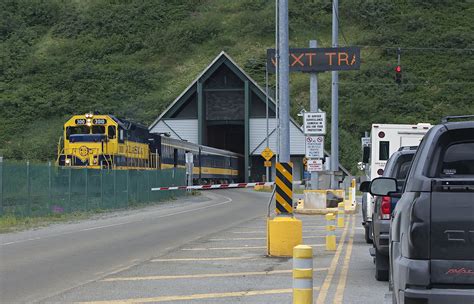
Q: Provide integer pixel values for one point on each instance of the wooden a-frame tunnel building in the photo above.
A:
(225, 108)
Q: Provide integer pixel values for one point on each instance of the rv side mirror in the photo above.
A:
(383, 186)
(364, 186)
(366, 155)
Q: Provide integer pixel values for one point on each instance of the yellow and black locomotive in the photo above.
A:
(104, 141)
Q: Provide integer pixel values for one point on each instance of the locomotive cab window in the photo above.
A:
(77, 130)
(98, 130)
(111, 132)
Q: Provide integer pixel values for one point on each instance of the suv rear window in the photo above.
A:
(458, 160)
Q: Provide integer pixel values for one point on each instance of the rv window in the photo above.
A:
(384, 150)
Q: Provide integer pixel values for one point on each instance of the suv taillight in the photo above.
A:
(386, 207)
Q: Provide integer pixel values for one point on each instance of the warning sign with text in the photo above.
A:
(315, 123)
(315, 165)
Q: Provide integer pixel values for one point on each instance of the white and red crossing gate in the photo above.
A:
(218, 186)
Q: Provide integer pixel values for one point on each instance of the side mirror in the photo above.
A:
(383, 186)
(364, 186)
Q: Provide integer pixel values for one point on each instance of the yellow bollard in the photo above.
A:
(302, 274)
(330, 232)
(340, 215)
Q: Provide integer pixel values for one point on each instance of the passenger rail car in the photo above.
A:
(210, 164)
(105, 141)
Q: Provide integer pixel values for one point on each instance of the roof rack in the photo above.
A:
(407, 148)
(448, 118)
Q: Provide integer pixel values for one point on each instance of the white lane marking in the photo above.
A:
(228, 200)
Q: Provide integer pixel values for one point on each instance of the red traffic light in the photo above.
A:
(398, 69)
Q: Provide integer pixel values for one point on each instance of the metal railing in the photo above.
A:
(30, 189)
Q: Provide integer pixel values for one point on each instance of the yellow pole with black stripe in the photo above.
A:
(284, 231)
(284, 188)
(302, 274)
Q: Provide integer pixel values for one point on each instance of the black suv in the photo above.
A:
(432, 231)
(397, 167)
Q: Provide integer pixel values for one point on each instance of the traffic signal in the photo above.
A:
(398, 74)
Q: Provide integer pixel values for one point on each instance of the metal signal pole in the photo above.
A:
(334, 102)
(283, 82)
(313, 104)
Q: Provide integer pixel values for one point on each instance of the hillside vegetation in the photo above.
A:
(132, 58)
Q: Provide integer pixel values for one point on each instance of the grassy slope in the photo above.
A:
(132, 58)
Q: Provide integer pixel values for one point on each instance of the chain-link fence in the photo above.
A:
(28, 189)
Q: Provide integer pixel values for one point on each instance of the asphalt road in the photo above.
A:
(39, 264)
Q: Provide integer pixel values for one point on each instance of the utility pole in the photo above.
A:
(334, 102)
(283, 82)
(267, 169)
(313, 104)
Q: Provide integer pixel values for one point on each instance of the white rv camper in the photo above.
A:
(385, 139)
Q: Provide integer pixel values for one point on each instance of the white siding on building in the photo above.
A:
(179, 128)
(258, 133)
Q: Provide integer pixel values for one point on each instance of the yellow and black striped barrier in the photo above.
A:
(284, 188)
(284, 231)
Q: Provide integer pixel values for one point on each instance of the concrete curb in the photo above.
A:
(326, 211)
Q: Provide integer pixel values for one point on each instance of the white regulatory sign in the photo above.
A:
(365, 141)
(315, 165)
(314, 146)
(315, 123)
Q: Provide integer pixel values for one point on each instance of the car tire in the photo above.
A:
(381, 266)
(368, 233)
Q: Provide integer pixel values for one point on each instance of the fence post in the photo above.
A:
(28, 188)
(87, 188)
(50, 187)
(128, 187)
(1, 185)
(68, 207)
(149, 186)
(115, 188)
(101, 188)
(137, 191)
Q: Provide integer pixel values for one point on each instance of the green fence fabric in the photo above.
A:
(28, 189)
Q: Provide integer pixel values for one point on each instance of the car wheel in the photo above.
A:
(381, 266)
(368, 233)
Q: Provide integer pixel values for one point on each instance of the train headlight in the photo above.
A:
(89, 122)
(68, 161)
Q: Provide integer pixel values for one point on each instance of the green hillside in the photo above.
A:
(132, 58)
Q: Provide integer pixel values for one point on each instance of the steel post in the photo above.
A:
(334, 102)
(1, 185)
(87, 188)
(68, 207)
(50, 187)
(28, 188)
(284, 72)
(313, 99)
(267, 169)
